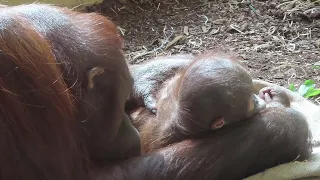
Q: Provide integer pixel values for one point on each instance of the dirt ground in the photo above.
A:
(278, 41)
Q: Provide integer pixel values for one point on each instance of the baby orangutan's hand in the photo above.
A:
(274, 97)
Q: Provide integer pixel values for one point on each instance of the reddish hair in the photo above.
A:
(37, 113)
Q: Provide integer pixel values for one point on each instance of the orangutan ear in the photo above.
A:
(91, 74)
(218, 123)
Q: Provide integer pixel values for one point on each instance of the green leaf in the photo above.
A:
(304, 88)
(316, 67)
(312, 92)
(309, 82)
(292, 88)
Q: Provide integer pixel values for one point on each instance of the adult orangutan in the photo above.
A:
(64, 83)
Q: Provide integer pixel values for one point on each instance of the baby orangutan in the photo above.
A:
(206, 93)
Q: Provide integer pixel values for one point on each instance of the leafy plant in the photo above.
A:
(307, 89)
(292, 88)
(316, 67)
